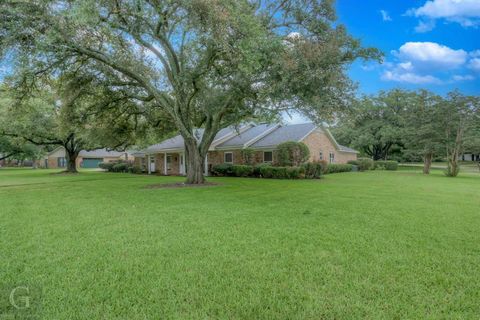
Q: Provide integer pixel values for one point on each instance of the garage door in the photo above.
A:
(91, 162)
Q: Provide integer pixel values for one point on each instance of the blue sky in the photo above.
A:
(427, 44)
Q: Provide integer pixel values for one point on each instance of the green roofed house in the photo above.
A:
(86, 159)
(168, 156)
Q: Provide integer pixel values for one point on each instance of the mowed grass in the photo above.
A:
(393, 245)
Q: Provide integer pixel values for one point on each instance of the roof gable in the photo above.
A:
(248, 136)
(294, 132)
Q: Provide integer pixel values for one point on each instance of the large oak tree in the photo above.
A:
(73, 112)
(203, 63)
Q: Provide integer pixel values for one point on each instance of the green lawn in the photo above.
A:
(394, 245)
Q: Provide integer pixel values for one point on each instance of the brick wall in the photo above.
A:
(159, 163)
(318, 141)
(217, 157)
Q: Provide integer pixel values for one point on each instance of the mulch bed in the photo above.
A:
(180, 185)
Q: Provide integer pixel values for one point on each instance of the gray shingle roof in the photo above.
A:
(268, 135)
(347, 149)
(293, 132)
(177, 142)
(246, 136)
(100, 153)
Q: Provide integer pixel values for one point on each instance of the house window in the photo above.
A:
(267, 156)
(332, 157)
(320, 155)
(228, 157)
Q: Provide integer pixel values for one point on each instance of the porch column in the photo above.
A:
(206, 166)
(181, 162)
(165, 163)
(149, 165)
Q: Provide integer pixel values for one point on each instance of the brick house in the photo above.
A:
(168, 157)
(86, 159)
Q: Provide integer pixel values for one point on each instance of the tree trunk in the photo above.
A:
(195, 162)
(71, 157)
(427, 162)
(452, 166)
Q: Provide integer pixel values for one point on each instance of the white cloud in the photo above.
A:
(385, 15)
(409, 77)
(462, 78)
(425, 26)
(430, 63)
(474, 64)
(464, 12)
(429, 55)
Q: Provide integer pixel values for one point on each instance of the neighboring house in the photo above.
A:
(470, 157)
(86, 159)
(168, 157)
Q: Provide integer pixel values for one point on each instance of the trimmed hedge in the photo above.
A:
(106, 166)
(257, 169)
(314, 170)
(261, 171)
(337, 168)
(363, 164)
(135, 170)
(311, 170)
(120, 166)
(242, 171)
(386, 165)
(221, 170)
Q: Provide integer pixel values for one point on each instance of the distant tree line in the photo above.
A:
(413, 125)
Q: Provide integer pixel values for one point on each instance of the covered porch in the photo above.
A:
(166, 163)
(169, 163)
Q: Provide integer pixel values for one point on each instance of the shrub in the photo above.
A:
(248, 156)
(295, 172)
(135, 169)
(120, 167)
(336, 168)
(386, 165)
(242, 170)
(314, 170)
(273, 172)
(106, 165)
(292, 153)
(256, 170)
(364, 164)
(224, 169)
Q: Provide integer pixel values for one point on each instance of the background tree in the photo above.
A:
(202, 63)
(460, 120)
(375, 124)
(65, 113)
(12, 148)
(423, 131)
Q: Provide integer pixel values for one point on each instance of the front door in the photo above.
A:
(169, 163)
(152, 164)
(182, 163)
